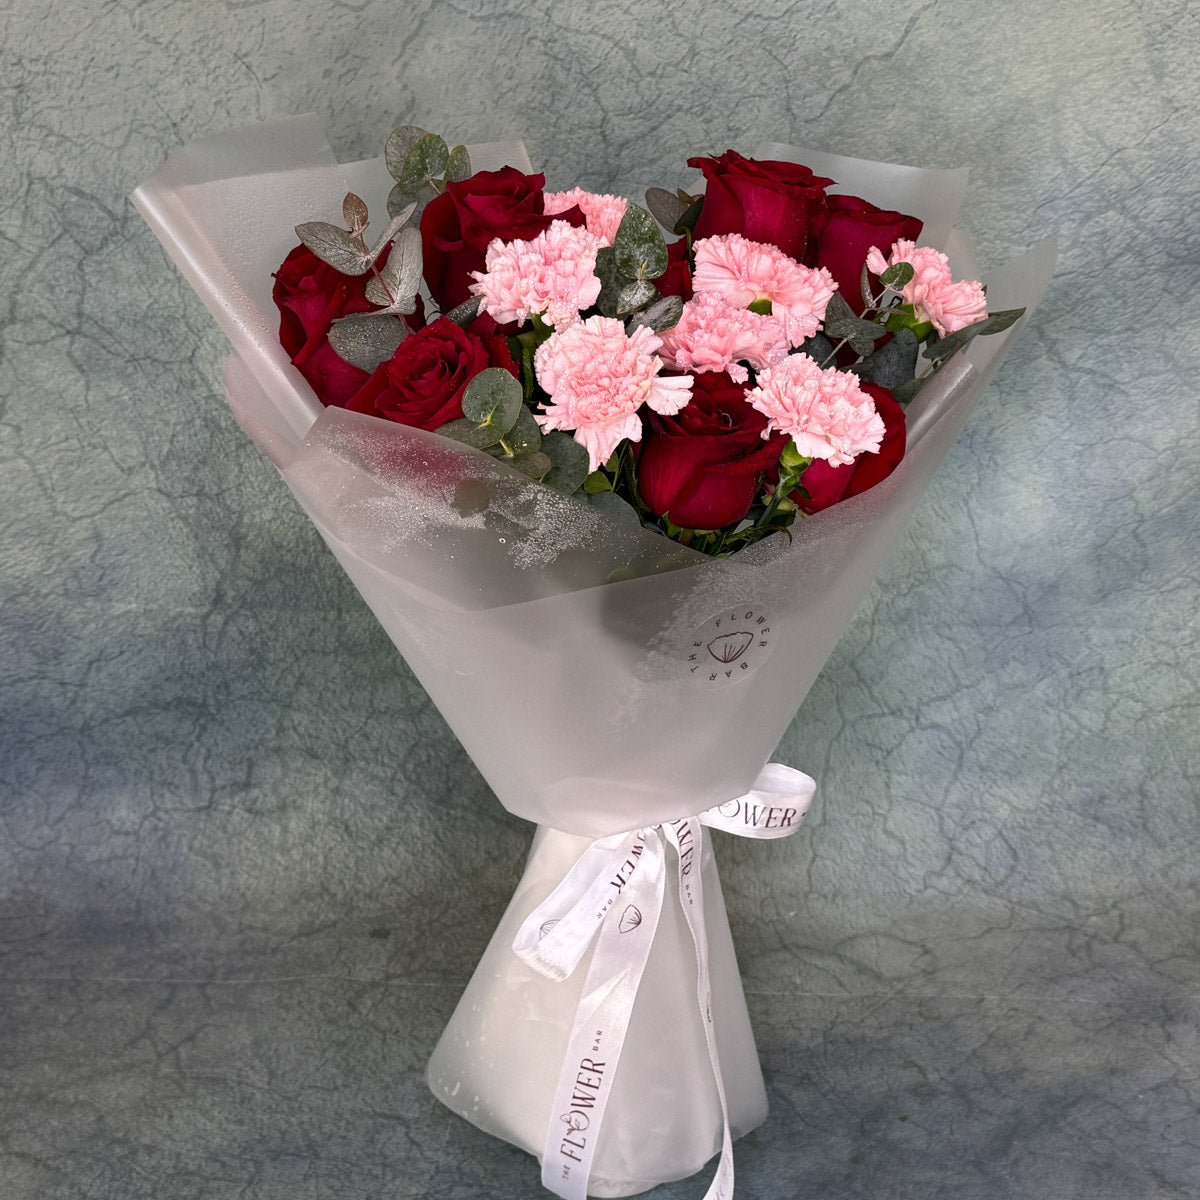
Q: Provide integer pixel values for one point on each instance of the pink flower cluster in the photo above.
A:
(742, 272)
(603, 213)
(713, 335)
(933, 293)
(598, 377)
(552, 274)
(823, 411)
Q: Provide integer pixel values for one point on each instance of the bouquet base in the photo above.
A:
(499, 1060)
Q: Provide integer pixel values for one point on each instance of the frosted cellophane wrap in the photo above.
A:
(498, 1061)
(590, 701)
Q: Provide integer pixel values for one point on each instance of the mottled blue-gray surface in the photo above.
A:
(231, 823)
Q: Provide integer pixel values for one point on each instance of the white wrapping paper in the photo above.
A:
(602, 678)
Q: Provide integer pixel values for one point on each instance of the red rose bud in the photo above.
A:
(827, 485)
(310, 296)
(422, 384)
(702, 467)
(777, 202)
(853, 227)
(457, 226)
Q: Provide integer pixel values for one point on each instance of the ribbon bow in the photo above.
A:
(614, 896)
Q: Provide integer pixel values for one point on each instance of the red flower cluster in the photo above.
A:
(702, 468)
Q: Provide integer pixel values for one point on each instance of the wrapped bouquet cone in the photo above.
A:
(620, 690)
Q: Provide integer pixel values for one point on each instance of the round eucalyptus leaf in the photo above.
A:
(896, 277)
(398, 147)
(426, 160)
(334, 246)
(614, 506)
(493, 399)
(640, 249)
(532, 463)
(570, 462)
(634, 296)
(459, 165)
(354, 211)
(666, 206)
(366, 341)
(525, 435)
(399, 201)
(480, 436)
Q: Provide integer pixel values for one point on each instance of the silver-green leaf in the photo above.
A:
(427, 160)
(570, 462)
(459, 165)
(493, 398)
(666, 206)
(398, 147)
(366, 341)
(640, 249)
(334, 246)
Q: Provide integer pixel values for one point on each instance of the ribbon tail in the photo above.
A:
(601, 1022)
(685, 836)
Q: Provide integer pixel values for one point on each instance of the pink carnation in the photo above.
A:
(934, 295)
(712, 335)
(553, 274)
(598, 377)
(824, 412)
(741, 272)
(603, 213)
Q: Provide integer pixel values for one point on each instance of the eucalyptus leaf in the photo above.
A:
(354, 211)
(334, 246)
(953, 342)
(634, 296)
(906, 391)
(640, 249)
(817, 348)
(480, 436)
(611, 281)
(526, 435)
(893, 364)
(597, 481)
(398, 147)
(493, 398)
(862, 335)
(569, 462)
(864, 286)
(401, 274)
(896, 277)
(666, 206)
(998, 322)
(459, 165)
(399, 201)
(427, 160)
(664, 313)
(533, 463)
(466, 312)
(366, 341)
(691, 215)
(614, 506)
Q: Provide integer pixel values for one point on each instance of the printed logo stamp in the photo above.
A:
(729, 646)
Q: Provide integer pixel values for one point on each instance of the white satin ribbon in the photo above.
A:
(614, 895)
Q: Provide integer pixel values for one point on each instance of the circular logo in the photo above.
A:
(729, 646)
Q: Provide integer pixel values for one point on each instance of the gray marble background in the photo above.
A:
(231, 823)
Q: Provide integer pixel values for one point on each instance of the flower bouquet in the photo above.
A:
(613, 478)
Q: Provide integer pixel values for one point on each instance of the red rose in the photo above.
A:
(702, 467)
(853, 227)
(676, 280)
(310, 295)
(423, 382)
(777, 202)
(457, 226)
(827, 485)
